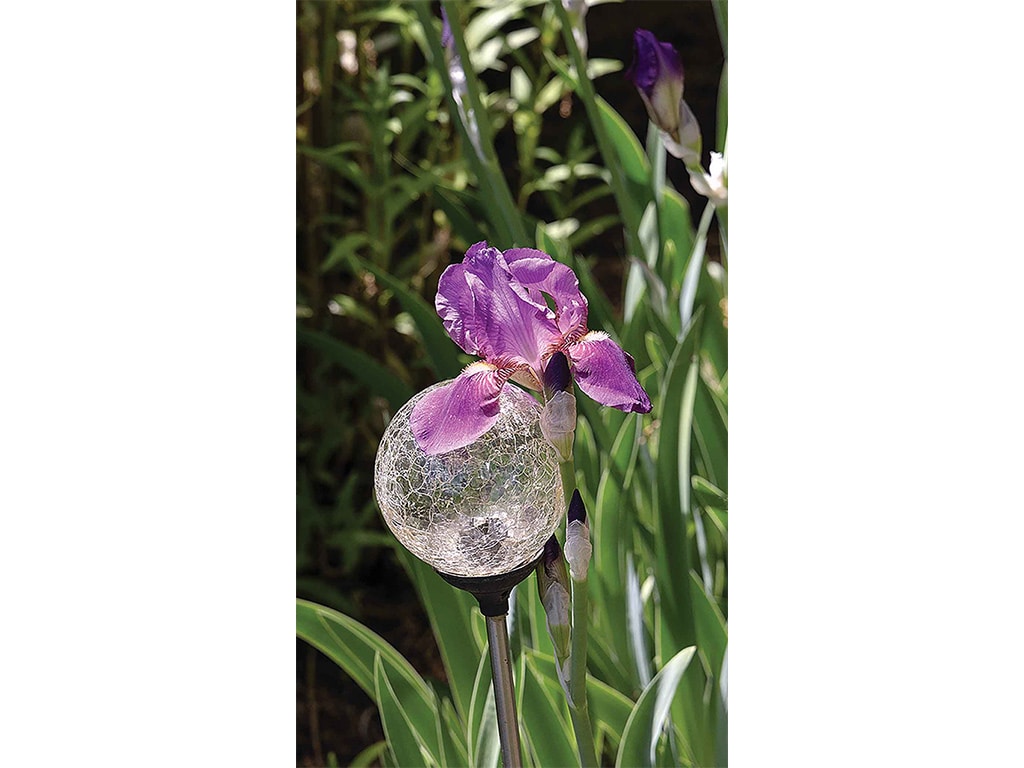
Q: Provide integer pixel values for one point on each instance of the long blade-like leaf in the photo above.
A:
(646, 721)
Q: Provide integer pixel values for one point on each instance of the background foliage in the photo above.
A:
(388, 195)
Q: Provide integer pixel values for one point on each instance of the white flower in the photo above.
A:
(715, 184)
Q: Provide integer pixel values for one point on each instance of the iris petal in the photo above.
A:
(458, 413)
(607, 374)
(539, 272)
(508, 323)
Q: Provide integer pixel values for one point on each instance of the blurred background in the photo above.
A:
(382, 210)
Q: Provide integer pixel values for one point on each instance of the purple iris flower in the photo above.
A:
(494, 305)
(657, 73)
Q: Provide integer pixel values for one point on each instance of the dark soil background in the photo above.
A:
(334, 716)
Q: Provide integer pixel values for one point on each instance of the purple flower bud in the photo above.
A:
(654, 62)
(553, 587)
(577, 511)
(577, 539)
(557, 377)
(657, 73)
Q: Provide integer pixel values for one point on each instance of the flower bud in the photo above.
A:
(577, 539)
(657, 73)
(553, 586)
(558, 423)
(557, 376)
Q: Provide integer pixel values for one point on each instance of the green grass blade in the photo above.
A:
(450, 611)
(353, 647)
(545, 725)
(673, 497)
(441, 350)
(403, 735)
(712, 636)
(482, 724)
(609, 708)
(378, 379)
(646, 721)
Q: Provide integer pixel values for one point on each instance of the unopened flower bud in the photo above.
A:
(557, 376)
(577, 539)
(657, 73)
(558, 423)
(553, 586)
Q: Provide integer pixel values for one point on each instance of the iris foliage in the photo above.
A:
(412, 183)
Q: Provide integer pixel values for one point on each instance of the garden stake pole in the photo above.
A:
(504, 697)
(492, 593)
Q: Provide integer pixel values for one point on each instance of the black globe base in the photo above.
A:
(492, 592)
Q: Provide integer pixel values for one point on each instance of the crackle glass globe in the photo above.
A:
(481, 510)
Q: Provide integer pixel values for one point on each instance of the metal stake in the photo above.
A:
(504, 697)
(492, 594)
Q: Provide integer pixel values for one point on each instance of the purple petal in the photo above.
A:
(607, 374)
(657, 73)
(652, 61)
(456, 414)
(539, 272)
(456, 306)
(508, 324)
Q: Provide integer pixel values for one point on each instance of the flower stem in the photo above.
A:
(579, 710)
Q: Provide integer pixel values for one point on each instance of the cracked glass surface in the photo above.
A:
(476, 511)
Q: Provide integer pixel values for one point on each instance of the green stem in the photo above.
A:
(504, 216)
(629, 208)
(567, 469)
(579, 710)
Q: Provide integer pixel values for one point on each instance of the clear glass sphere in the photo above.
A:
(481, 510)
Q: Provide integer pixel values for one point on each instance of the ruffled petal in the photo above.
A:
(538, 272)
(456, 305)
(456, 414)
(607, 374)
(508, 323)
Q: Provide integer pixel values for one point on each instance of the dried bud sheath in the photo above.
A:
(553, 586)
(577, 539)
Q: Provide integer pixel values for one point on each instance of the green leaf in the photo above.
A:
(367, 757)
(378, 379)
(465, 224)
(441, 351)
(711, 434)
(450, 611)
(708, 494)
(721, 9)
(451, 735)
(403, 736)
(600, 314)
(635, 166)
(675, 229)
(635, 624)
(613, 525)
(712, 636)
(609, 708)
(354, 648)
(585, 453)
(548, 733)
(344, 248)
(481, 722)
(673, 497)
(644, 728)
